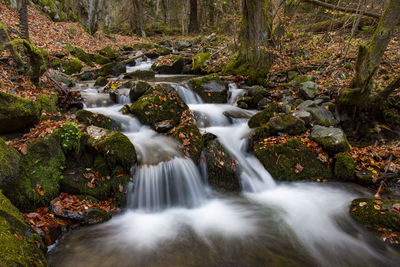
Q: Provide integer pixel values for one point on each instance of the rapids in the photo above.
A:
(173, 218)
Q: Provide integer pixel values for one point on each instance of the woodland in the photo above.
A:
(199, 133)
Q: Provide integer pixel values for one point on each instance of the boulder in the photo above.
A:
(200, 62)
(164, 126)
(112, 68)
(304, 115)
(101, 81)
(108, 52)
(16, 113)
(20, 246)
(210, 88)
(333, 140)
(48, 103)
(60, 77)
(88, 118)
(291, 161)
(9, 165)
(322, 116)
(306, 104)
(139, 74)
(72, 66)
(158, 52)
(183, 45)
(158, 105)
(138, 89)
(264, 116)
(344, 167)
(222, 168)
(171, 64)
(286, 123)
(309, 90)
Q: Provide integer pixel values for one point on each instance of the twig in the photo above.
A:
(380, 189)
(8, 80)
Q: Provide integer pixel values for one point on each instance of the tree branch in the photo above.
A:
(391, 87)
(344, 9)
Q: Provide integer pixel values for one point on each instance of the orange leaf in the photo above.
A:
(39, 189)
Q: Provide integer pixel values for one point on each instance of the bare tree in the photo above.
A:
(193, 22)
(23, 18)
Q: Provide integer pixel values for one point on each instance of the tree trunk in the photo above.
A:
(211, 11)
(369, 59)
(23, 18)
(193, 23)
(138, 17)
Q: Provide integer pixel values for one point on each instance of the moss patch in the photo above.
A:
(264, 116)
(71, 66)
(344, 167)
(89, 118)
(199, 61)
(48, 103)
(9, 165)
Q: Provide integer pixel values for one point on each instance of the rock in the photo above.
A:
(164, 126)
(183, 45)
(237, 114)
(210, 88)
(48, 103)
(291, 161)
(286, 109)
(333, 140)
(157, 52)
(301, 79)
(113, 68)
(263, 103)
(16, 113)
(200, 62)
(40, 173)
(89, 118)
(318, 101)
(222, 168)
(108, 52)
(382, 213)
(140, 74)
(60, 77)
(309, 90)
(256, 93)
(286, 123)
(306, 104)
(304, 115)
(287, 100)
(344, 167)
(292, 74)
(87, 74)
(101, 81)
(20, 246)
(171, 64)
(138, 89)
(264, 116)
(212, 37)
(322, 116)
(9, 165)
(72, 66)
(157, 105)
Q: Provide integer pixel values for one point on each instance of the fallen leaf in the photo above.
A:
(298, 168)
(39, 190)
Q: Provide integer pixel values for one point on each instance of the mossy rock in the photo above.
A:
(344, 167)
(301, 79)
(264, 116)
(376, 213)
(89, 118)
(157, 52)
(222, 168)
(333, 140)
(16, 113)
(138, 89)
(48, 103)
(40, 173)
(281, 160)
(286, 123)
(72, 66)
(87, 58)
(170, 64)
(9, 165)
(199, 62)
(157, 105)
(145, 46)
(101, 81)
(210, 88)
(108, 52)
(113, 68)
(20, 246)
(140, 74)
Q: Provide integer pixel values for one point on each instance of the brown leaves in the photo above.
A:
(298, 169)
(396, 208)
(39, 190)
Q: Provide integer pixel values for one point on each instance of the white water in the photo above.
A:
(174, 213)
(141, 64)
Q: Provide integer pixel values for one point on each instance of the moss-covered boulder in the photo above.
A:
(101, 81)
(264, 116)
(291, 160)
(108, 52)
(157, 52)
(210, 88)
(40, 173)
(286, 123)
(16, 113)
(321, 115)
(140, 74)
(333, 140)
(137, 90)
(113, 68)
(71, 66)
(20, 246)
(9, 165)
(200, 61)
(222, 168)
(88, 118)
(158, 104)
(102, 168)
(170, 64)
(48, 103)
(87, 58)
(344, 167)
(376, 213)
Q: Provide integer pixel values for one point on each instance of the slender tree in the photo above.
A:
(193, 22)
(138, 17)
(23, 18)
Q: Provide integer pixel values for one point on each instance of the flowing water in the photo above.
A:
(174, 218)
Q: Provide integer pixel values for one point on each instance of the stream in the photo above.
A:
(173, 218)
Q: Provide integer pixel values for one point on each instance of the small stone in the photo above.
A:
(306, 104)
(304, 115)
(309, 89)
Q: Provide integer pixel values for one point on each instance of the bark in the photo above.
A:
(138, 17)
(343, 9)
(23, 18)
(211, 10)
(193, 22)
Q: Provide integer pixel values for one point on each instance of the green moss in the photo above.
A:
(108, 52)
(9, 165)
(210, 88)
(112, 68)
(170, 64)
(70, 137)
(80, 54)
(17, 113)
(286, 123)
(72, 66)
(140, 74)
(301, 79)
(101, 81)
(48, 103)
(42, 168)
(344, 167)
(199, 61)
(157, 105)
(264, 116)
(281, 160)
(89, 118)
(369, 213)
(19, 245)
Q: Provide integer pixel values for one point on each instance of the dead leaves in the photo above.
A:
(298, 169)
(40, 190)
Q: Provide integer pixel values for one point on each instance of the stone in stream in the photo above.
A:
(286, 123)
(164, 126)
(101, 81)
(20, 246)
(210, 88)
(139, 74)
(333, 140)
(222, 168)
(138, 89)
(264, 116)
(171, 64)
(113, 68)
(88, 118)
(344, 167)
(17, 113)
